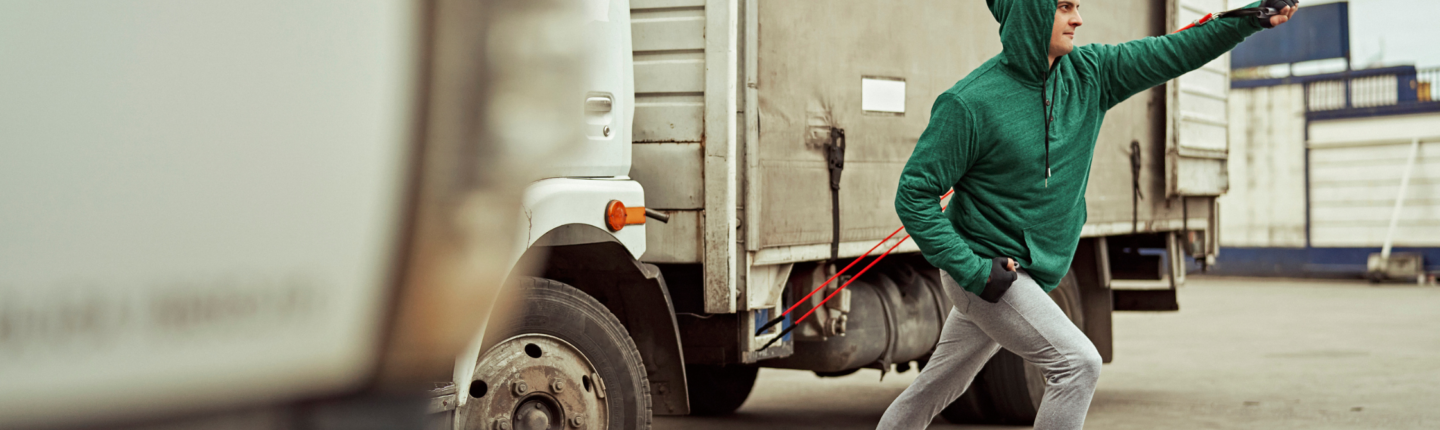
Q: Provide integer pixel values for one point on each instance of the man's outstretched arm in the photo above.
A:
(946, 150)
(1135, 66)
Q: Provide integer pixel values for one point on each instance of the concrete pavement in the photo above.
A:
(1241, 353)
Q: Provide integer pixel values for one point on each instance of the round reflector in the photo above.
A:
(615, 215)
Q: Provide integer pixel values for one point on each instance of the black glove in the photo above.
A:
(1269, 8)
(1000, 280)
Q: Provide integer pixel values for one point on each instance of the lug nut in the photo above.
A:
(556, 386)
(577, 420)
(520, 388)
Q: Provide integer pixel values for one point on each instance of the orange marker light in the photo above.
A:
(617, 216)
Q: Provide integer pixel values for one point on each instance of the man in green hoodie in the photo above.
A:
(1014, 139)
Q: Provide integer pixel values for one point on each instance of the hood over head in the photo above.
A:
(1025, 27)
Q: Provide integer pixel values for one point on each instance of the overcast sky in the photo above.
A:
(1408, 29)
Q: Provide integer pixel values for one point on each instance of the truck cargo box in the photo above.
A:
(736, 99)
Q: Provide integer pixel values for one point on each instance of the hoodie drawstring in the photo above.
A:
(1048, 108)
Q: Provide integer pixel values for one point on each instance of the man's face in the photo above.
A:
(1067, 19)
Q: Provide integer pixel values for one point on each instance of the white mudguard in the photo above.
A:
(550, 204)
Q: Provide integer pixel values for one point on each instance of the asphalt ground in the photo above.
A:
(1242, 353)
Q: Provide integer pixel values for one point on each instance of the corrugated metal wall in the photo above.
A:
(1353, 181)
(1353, 185)
(668, 39)
(1265, 206)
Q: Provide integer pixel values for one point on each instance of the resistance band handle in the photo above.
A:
(1269, 8)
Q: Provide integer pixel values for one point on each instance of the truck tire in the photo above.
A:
(718, 390)
(564, 361)
(1007, 391)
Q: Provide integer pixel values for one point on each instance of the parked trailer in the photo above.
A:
(741, 109)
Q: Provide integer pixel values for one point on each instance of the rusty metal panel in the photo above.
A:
(721, 177)
(669, 73)
(669, 57)
(670, 173)
(676, 241)
(667, 28)
(685, 80)
(669, 118)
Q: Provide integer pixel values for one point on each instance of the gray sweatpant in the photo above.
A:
(1024, 321)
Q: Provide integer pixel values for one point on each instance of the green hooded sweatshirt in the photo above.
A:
(989, 140)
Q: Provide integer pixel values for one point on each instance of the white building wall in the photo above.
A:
(1353, 186)
(1265, 206)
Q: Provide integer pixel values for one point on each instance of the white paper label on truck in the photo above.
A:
(879, 94)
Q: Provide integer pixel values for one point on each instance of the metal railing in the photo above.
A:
(1369, 89)
(1427, 84)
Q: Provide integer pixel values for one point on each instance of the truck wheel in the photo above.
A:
(718, 390)
(564, 362)
(1008, 390)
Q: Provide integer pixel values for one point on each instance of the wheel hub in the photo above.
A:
(535, 382)
(538, 413)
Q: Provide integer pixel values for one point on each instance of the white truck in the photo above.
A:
(763, 140)
(266, 213)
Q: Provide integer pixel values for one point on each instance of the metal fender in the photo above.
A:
(561, 211)
(551, 203)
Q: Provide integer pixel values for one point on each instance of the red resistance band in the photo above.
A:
(1206, 19)
(867, 267)
(1261, 13)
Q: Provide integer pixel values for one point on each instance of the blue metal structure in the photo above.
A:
(1327, 97)
(1305, 262)
(1321, 32)
(1409, 97)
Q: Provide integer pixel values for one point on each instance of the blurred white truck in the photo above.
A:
(259, 213)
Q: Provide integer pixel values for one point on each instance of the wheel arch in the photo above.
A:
(593, 261)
